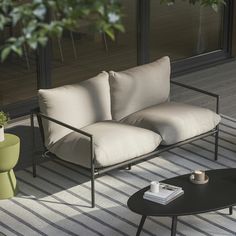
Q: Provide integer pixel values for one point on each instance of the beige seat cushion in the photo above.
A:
(114, 143)
(175, 122)
(139, 87)
(78, 105)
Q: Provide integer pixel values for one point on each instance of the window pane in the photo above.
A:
(183, 30)
(17, 74)
(82, 54)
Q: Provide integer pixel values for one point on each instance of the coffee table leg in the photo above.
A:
(174, 226)
(231, 210)
(141, 225)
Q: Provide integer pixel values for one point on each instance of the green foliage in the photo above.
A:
(41, 20)
(4, 118)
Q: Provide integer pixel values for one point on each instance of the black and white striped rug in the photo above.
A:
(57, 202)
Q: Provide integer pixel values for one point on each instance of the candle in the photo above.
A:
(199, 175)
(154, 188)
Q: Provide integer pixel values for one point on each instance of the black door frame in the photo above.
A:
(143, 31)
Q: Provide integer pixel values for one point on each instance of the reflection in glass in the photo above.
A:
(183, 30)
(82, 54)
(17, 74)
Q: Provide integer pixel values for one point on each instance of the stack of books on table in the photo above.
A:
(166, 194)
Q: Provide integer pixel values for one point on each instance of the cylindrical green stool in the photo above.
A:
(9, 155)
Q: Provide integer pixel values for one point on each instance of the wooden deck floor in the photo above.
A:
(219, 79)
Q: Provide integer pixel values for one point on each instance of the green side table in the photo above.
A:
(9, 155)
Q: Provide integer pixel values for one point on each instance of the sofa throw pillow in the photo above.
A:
(139, 87)
(78, 105)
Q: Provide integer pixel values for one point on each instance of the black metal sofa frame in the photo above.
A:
(95, 172)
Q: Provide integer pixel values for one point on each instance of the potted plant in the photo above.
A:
(4, 118)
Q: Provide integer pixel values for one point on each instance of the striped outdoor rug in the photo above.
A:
(57, 202)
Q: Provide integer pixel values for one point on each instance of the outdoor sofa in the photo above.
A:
(118, 119)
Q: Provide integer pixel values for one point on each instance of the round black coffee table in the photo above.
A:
(217, 194)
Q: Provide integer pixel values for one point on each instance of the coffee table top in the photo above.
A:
(218, 193)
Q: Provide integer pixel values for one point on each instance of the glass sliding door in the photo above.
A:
(182, 30)
(17, 74)
(191, 35)
(82, 54)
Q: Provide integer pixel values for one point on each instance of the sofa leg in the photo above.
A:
(128, 167)
(33, 144)
(216, 144)
(92, 191)
(34, 169)
(92, 162)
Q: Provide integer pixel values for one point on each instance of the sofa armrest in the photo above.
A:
(65, 125)
(216, 96)
(41, 116)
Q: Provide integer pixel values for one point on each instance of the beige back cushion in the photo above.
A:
(139, 87)
(77, 105)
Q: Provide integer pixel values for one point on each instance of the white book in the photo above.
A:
(164, 202)
(164, 199)
(165, 192)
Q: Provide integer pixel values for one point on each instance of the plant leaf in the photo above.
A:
(5, 52)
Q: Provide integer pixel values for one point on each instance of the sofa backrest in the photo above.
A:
(139, 87)
(78, 105)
